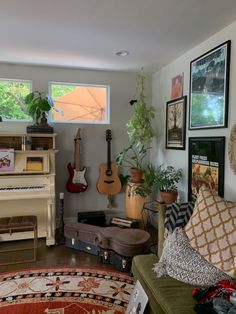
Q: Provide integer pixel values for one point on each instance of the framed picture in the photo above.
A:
(176, 123)
(177, 86)
(206, 165)
(232, 148)
(138, 300)
(209, 89)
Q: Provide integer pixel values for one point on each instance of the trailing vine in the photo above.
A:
(139, 126)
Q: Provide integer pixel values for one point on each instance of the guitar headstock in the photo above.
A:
(108, 135)
(77, 136)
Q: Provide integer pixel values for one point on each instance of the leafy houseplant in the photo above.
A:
(166, 182)
(139, 126)
(140, 132)
(38, 105)
(132, 157)
(148, 185)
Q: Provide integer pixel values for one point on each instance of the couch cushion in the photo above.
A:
(212, 230)
(180, 261)
(165, 294)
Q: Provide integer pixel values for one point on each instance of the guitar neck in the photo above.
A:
(77, 155)
(77, 150)
(109, 156)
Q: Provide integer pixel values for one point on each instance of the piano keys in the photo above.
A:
(28, 187)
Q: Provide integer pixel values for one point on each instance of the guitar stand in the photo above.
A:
(111, 201)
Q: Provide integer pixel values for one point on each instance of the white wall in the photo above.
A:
(93, 144)
(161, 94)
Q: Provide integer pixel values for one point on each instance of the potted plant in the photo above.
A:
(139, 126)
(166, 181)
(140, 132)
(38, 105)
(149, 178)
(132, 157)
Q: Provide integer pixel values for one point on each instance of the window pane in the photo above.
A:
(12, 105)
(80, 103)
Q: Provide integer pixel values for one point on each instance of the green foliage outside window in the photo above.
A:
(12, 105)
(61, 90)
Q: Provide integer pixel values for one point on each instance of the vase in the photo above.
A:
(134, 205)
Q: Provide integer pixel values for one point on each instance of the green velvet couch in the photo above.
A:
(165, 294)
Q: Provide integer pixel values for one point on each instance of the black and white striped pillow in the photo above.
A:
(178, 215)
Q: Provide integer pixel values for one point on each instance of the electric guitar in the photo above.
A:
(77, 182)
(108, 182)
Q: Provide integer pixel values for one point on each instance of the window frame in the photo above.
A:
(107, 112)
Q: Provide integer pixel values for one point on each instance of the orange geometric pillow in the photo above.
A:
(211, 230)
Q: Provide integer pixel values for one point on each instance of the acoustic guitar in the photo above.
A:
(77, 182)
(108, 182)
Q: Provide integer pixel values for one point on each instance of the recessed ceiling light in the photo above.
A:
(122, 53)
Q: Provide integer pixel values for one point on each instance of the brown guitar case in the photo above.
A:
(117, 246)
(83, 237)
(113, 245)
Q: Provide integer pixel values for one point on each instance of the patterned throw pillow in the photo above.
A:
(211, 230)
(177, 215)
(180, 261)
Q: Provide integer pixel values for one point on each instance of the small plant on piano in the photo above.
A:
(39, 104)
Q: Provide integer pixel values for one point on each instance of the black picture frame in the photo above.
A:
(209, 88)
(206, 162)
(176, 123)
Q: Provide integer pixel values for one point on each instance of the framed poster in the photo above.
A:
(232, 148)
(177, 86)
(176, 123)
(206, 165)
(209, 89)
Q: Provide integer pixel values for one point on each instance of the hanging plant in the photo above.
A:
(139, 126)
(140, 132)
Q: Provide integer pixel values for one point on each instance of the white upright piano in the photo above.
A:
(27, 181)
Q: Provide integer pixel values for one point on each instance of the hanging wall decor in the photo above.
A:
(209, 89)
(232, 149)
(206, 165)
(176, 123)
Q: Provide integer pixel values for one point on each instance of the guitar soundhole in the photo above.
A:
(108, 172)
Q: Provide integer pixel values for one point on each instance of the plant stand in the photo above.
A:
(42, 127)
(39, 129)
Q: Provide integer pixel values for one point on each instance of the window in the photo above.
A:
(80, 103)
(12, 105)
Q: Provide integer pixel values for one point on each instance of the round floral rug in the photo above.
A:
(65, 290)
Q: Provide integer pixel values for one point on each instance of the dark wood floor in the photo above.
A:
(48, 256)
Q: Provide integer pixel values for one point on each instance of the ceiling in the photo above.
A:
(87, 33)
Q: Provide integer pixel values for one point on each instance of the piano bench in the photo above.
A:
(20, 224)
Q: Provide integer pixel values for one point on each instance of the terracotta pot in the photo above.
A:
(168, 197)
(136, 175)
